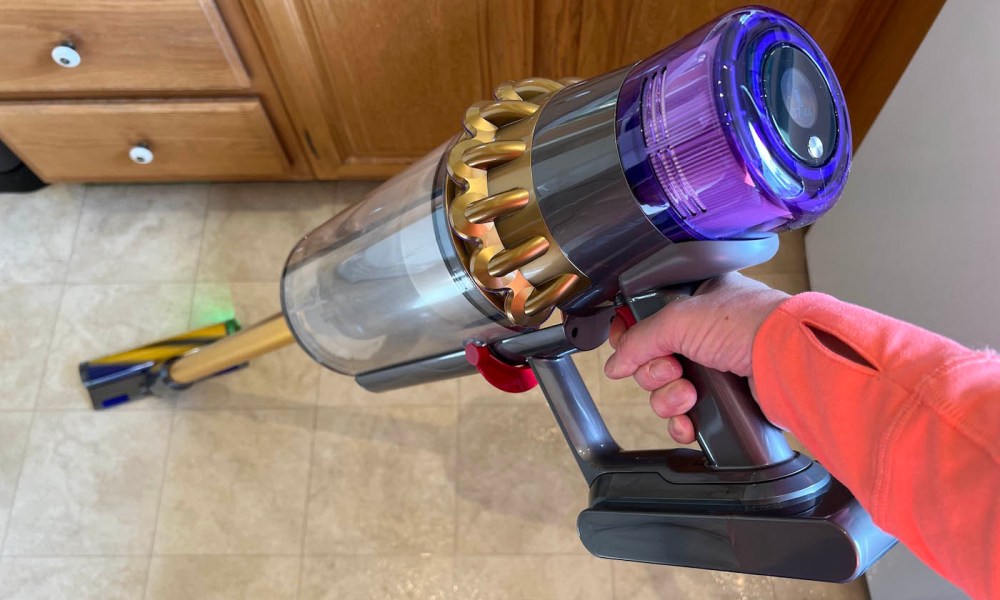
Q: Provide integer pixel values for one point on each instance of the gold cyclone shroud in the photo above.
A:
(453, 250)
(497, 226)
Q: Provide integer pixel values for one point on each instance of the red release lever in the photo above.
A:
(500, 374)
(624, 313)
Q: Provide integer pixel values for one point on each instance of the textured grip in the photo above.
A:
(730, 427)
(731, 430)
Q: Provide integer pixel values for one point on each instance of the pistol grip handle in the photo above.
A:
(730, 427)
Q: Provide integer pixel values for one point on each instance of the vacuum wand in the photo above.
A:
(264, 337)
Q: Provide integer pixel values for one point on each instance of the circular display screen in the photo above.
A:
(800, 104)
(799, 97)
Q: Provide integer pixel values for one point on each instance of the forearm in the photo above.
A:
(908, 423)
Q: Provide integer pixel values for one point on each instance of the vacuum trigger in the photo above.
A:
(624, 313)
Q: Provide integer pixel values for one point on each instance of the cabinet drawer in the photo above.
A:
(183, 140)
(121, 44)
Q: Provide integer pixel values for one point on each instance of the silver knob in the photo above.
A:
(66, 56)
(141, 154)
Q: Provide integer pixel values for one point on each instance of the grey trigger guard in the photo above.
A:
(730, 428)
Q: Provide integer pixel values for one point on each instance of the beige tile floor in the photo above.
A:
(283, 480)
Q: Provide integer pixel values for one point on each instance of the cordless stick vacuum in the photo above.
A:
(602, 198)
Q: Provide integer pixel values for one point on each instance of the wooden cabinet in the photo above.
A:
(182, 81)
(122, 45)
(149, 140)
(334, 89)
(407, 71)
(390, 80)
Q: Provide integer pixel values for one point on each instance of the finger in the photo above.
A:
(681, 429)
(648, 339)
(615, 333)
(675, 398)
(658, 373)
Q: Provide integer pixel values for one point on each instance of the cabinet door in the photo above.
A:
(139, 45)
(144, 140)
(390, 80)
(399, 75)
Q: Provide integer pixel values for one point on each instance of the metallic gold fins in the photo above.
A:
(507, 261)
(527, 89)
(493, 153)
(493, 207)
(549, 294)
(504, 112)
(497, 226)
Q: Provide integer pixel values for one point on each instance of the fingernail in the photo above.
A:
(609, 366)
(663, 370)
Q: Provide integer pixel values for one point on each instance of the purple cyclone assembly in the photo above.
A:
(739, 127)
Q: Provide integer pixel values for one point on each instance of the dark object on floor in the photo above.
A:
(15, 176)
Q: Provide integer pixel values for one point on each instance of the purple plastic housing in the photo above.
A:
(703, 157)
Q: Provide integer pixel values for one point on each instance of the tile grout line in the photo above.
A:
(305, 509)
(24, 458)
(309, 480)
(159, 502)
(197, 260)
(201, 245)
(45, 370)
(76, 234)
(62, 299)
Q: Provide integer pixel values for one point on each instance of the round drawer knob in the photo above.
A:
(141, 155)
(66, 56)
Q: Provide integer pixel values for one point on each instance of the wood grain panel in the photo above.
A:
(505, 33)
(285, 36)
(558, 24)
(401, 74)
(589, 37)
(390, 80)
(90, 141)
(124, 45)
(264, 87)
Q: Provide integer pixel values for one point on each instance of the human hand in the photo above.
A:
(715, 327)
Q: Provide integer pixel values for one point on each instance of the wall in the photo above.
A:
(917, 232)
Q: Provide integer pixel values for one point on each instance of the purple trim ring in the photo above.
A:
(703, 152)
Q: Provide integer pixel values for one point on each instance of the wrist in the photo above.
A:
(768, 306)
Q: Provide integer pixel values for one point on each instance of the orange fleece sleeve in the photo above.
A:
(913, 434)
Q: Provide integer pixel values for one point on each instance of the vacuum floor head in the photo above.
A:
(123, 376)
